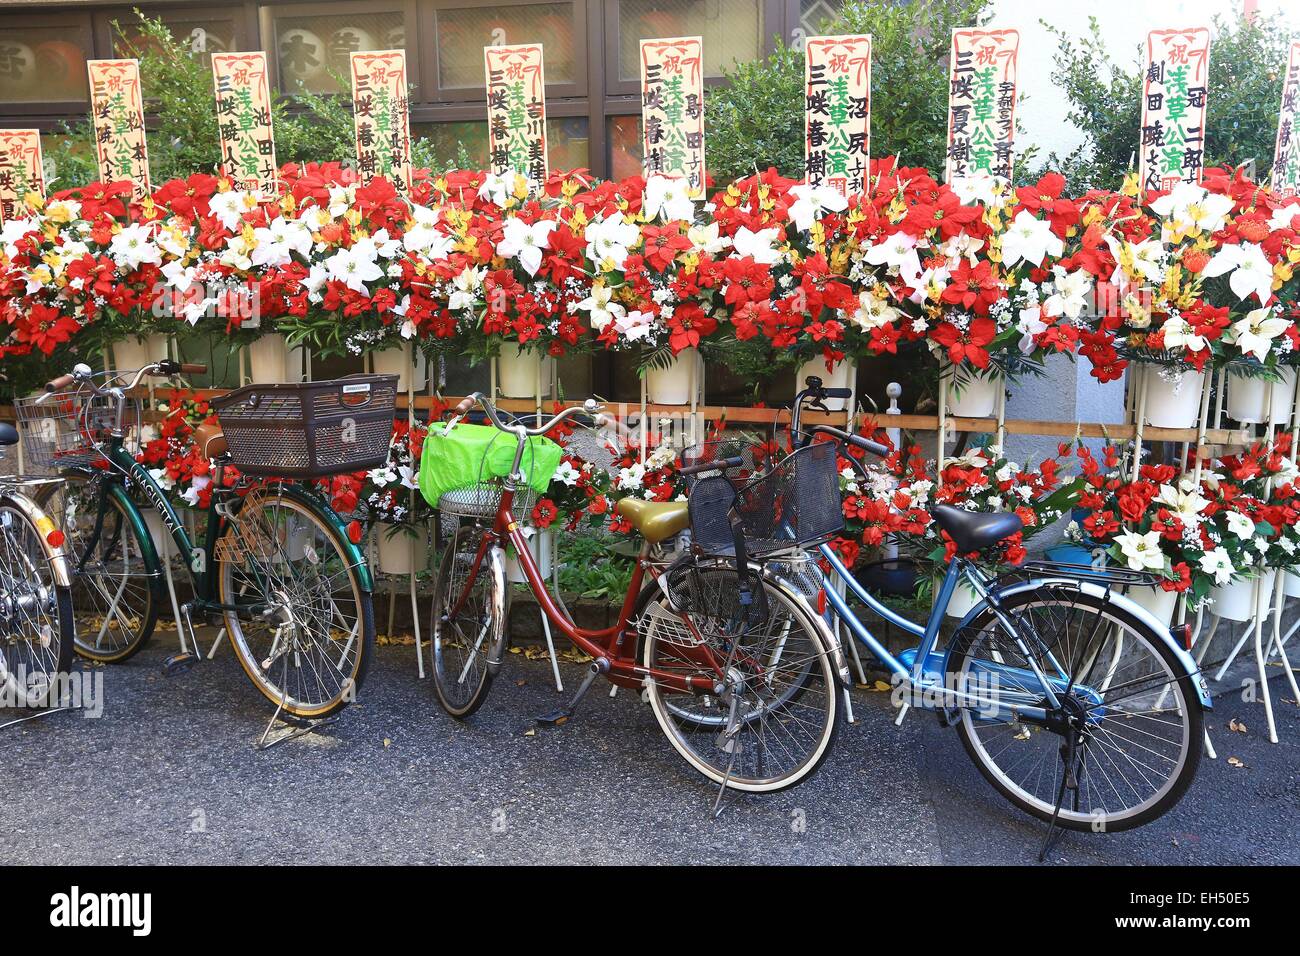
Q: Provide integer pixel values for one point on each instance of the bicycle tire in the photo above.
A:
(486, 619)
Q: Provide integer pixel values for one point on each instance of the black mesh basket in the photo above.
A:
(312, 429)
(712, 492)
(796, 504)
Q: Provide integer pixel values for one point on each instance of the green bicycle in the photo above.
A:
(275, 566)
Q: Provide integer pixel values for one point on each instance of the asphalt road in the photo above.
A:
(168, 775)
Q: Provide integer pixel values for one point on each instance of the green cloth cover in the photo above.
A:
(449, 461)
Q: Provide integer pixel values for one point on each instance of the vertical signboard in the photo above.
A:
(837, 112)
(1174, 95)
(244, 119)
(516, 102)
(117, 115)
(1286, 153)
(981, 103)
(21, 171)
(672, 110)
(381, 117)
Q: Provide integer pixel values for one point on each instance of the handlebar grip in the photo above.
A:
(194, 368)
(866, 444)
(466, 404)
(837, 393)
(609, 421)
(59, 384)
(719, 464)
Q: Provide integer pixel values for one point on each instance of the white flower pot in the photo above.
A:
(540, 544)
(1173, 400)
(132, 353)
(1291, 585)
(396, 551)
(674, 384)
(1159, 602)
(963, 599)
(1254, 401)
(973, 395)
(398, 361)
(521, 373)
(268, 360)
(1236, 601)
(843, 376)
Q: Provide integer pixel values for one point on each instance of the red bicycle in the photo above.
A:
(743, 676)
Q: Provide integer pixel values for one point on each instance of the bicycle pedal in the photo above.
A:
(555, 718)
(180, 663)
(949, 716)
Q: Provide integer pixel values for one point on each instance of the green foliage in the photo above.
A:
(596, 565)
(756, 120)
(1247, 60)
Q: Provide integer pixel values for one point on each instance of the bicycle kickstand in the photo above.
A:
(298, 726)
(557, 717)
(1071, 757)
(181, 662)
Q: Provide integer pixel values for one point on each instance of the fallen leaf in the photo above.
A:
(521, 682)
(387, 742)
(1234, 762)
(1236, 726)
(530, 732)
(881, 685)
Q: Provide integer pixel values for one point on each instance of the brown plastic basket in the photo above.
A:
(309, 430)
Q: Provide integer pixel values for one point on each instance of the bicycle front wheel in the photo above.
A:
(36, 630)
(304, 627)
(115, 595)
(468, 626)
(1140, 718)
(773, 723)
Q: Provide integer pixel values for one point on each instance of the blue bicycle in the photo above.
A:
(1073, 701)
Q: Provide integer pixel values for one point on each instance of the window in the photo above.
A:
(732, 30)
(43, 63)
(463, 32)
(203, 35)
(567, 140)
(312, 51)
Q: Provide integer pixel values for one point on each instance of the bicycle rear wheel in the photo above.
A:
(1141, 719)
(773, 724)
(305, 630)
(36, 630)
(115, 597)
(462, 644)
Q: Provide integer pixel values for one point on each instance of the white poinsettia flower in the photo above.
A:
(1179, 333)
(465, 287)
(1218, 564)
(1185, 504)
(609, 241)
(1071, 291)
(385, 245)
(629, 479)
(1137, 261)
(315, 279)
(601, 307)
(164, 481)
(1250, 268)
(354, 267)
(1254, 334)
(1190, 207)
(813, 202)
(525, 242)
(134, 246)
(229, 207)
(706, 239)
(961, 246)
(977, 189)
(566, 474)
(1240, 524)
(898, 253)
(191, 494)
(239, 248)
(1284, 215)
(497, 187)
(756, 245)
(1029, 325)
(341, 199)
(634, 325)
(15, 229)
(426, 238)
(1141, 551)
(873, 312)
(667, 199)
(1029, 239)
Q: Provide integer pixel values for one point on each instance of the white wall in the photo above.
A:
(1124, 24)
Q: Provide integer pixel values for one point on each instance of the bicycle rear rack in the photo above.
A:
(1108, 575)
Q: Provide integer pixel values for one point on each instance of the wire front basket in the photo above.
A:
(62, 430)
(480, 501)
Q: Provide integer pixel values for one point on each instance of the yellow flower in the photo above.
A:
(1130, 187)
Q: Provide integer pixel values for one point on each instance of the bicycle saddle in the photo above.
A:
(211, 442)
(654, 520)
(973, 530)
(8, 434)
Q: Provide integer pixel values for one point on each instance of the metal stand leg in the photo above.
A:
(415, 625)
(165, 548)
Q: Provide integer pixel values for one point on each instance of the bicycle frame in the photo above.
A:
(613, 648)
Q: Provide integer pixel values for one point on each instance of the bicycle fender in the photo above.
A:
(831, 637)
(353, 550)
(1184, 659)
(42, 522)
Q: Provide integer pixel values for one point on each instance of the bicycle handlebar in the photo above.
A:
(866, 444)
(589, 407)
(720, 464)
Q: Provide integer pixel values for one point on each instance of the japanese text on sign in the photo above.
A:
(672, 110)
(981, 103)
(516, 100)
(1286, 154)
(244, 119)
(1174, 88)
(21, 171)
(381, 117)
(837, 112)
(117, 114)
